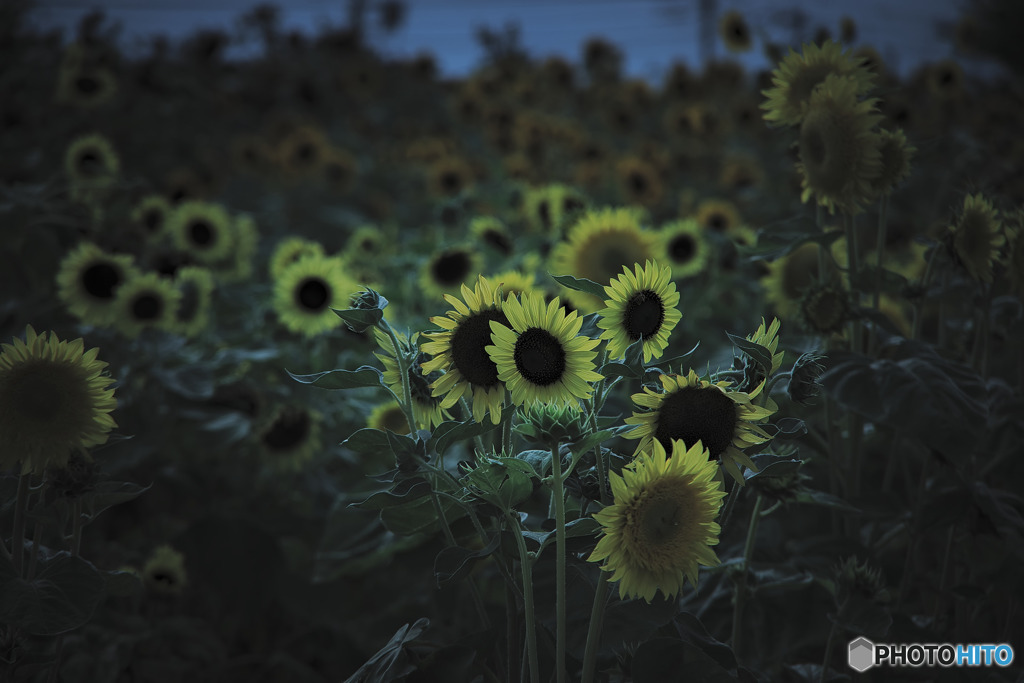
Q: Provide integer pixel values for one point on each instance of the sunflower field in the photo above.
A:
(319, 366)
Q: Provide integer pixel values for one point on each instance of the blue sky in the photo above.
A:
(652, 33)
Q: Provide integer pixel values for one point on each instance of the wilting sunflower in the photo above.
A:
(290, 438)
(542, 358)
(91, 163)
(662, 521)
(147, 301)
(718, 215)
(641, 305)
(895, 153)
(799, 74)
(88, 280)
(306, 291)
(449, 176)
(151, 216)
(388, 416)
(789, 276)
(54, 398)
(292, 249)
(977, 237)
(203, 230)
(839, 152)
(492, 233)
(164, 572)
(639, 182)
(446, 271)
(600, 244)
(693, 409)
(426, 408)
(685, 247)
(459, 351)
(768, 337)
(193, 312)
(734, 31)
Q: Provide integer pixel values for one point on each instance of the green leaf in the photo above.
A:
(390, 663)
(668, 362)
(62, 597)
(581, 285)
(122, 584)
(454, 562)
(364, 376)
(577, 528)
(108, 494)
(360, 319)
(404, 492)
(759, 354)
(825, 499)
(467, 430)
(419, 515)
(502, 482)
(770, 465)
(772, 245)
(367, 440)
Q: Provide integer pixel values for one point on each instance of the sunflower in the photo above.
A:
(789, 276)
(693, 409)
(740, 173)
(203, 230)
(306, 291)
(977, 236)
(366, 243)
(600, 244)
(718, 216)
(459, 352)
(895, 153)
(54, 398)
(193, 312)
(449, 176)
(734, 31)
(839, 153)
(825, 308)
(291, 249)
(388, 416)
(88, 280)
(945, 80)
(799, 74)
(302, 151)
(541, 357)
(150, 217)
(492, 233)
(768, 337)
(639, 182)
(662, 521)
(426, 408)
(251, 154)
(685, 246)
(641, 305)
(91, 162)
(290, 438)
(446, 271)
(515, 282)
(146, 301)
(85, 87)
(549, 208)
(164, 572)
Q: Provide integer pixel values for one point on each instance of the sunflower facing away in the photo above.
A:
(662, 522)
(542, 358)
(54, 398)
(693, 409)
(459, 351)
(641, 305)
(88, 280)
(685, 247)
(426, 408)
(977, 237)
(307, 290)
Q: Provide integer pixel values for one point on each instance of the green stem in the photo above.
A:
(506, 429)
(828, 651)
(883, 210)
(853, 256)
(912, 536)
(76, 528)
(596, 624)
(926, 280)
(478, 441)
(403, 373)
(741, 588)
(526, 563)
(37, 540)
(559, 495)
(773, 381)
(18, 537)
(730, 504)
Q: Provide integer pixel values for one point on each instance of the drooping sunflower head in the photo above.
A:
(540, 355)
(193, 312)
(839, 152)
(446, 271)
(91, 162)
(734, 31)
(600, 245)
(203, 230)
(895, 153)
(164, 572)
(799, 74)
(147, 301)
(459, 350)
(695, 409)
(977, 237)
(639, 182)
(290, 437)
(307, 290)
(685, 247)
(88, 280)
(292, 249)
(662, 522)
(54, 399)
(641, 304)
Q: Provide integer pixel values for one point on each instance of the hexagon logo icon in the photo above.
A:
(861, 654)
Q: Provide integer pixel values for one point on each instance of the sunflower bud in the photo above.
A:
(803, 384)
(550, 424)
(862, 581)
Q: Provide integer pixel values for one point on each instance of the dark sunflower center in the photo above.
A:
(89, 162)
(87, 85)
(682, 248)
(544, 212)
(200, 232)
(539, 357)
(637, 182)
(498, 240)
(368, 245)
(571, 204)
(100, 280)
(147, 306)
(451, 268)
(450, 181)
(152, 220)
(164, 577)
(717, 222)
(697, 414)
(643, 315)
(468, 342)
(189, 305)
(288, 431)
(313, 293)
(304, 153)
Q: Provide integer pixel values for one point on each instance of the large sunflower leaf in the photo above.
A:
(581, 285)
(391, 663)
(63, 595)
(359, 319)
(454, 562)
(466, 430)
(772, 245)
(759, 354)
(364, 376)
